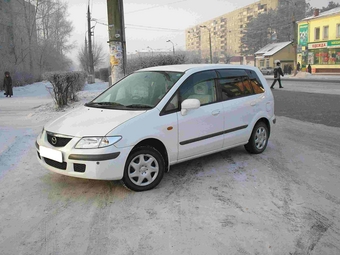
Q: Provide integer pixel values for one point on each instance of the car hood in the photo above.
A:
(88, 121)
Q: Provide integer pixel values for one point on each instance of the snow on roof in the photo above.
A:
(272, 48)
(324, 14)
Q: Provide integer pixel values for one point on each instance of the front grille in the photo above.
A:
(80, 168)
(56, 164)
(58, 141)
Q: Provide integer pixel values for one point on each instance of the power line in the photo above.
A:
(153, 28)
(156, 6)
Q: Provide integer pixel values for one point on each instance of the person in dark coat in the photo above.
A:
(298, 66)
(309, 68)
(8, 85)
(277, 75)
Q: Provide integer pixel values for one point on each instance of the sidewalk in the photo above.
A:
(304, 76)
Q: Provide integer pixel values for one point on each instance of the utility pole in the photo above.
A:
(295, 45)
(117, 43)
(89, 28)
(87, 55)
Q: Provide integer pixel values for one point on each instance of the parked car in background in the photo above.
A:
(267, 70)
(157, 117)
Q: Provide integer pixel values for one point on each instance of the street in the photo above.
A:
(284, 201)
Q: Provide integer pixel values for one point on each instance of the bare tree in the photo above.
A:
(54, 30)
(98, 57)
(260, 31)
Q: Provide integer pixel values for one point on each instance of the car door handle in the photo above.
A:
(253, 103)
(216, 112)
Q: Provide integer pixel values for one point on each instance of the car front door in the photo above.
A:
(200, 130)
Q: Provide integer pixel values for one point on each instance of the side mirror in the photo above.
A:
(189, 104)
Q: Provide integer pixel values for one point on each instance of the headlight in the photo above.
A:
(97, 142)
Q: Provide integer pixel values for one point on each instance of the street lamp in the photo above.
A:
(209, 41)
(151, 50)
(173, 46)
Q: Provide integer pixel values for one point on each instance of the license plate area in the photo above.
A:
(51, 154)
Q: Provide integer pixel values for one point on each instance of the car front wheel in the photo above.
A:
(144, 169)
(258, 140)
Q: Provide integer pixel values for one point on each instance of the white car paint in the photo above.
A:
(175, 131)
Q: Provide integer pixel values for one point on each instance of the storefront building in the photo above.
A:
(319, 42)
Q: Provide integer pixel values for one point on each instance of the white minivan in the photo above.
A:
(157, 117)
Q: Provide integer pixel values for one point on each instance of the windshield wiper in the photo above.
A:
(142, 106)
(105, 104)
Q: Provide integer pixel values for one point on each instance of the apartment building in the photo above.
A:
(319, 41)
(224, 32)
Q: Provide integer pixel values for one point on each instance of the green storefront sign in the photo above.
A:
(303, 35)
(333, 44)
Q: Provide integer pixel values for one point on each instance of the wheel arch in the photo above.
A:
(158, 145)
(265, 121)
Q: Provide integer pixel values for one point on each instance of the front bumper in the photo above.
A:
(101, 164)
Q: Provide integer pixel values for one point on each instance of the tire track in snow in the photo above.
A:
(16, 144)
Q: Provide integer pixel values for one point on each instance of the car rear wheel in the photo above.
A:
(144, 169)
(259, 139)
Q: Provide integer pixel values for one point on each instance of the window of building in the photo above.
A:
(325, 57)
(325, 32)
(317, 33)
(337, 30)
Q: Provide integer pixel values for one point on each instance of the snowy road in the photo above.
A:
(284, 201)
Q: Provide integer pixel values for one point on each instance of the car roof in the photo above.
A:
(195, 67)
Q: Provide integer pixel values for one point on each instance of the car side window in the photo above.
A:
(255, 82)
(172, 105)
(234, 83)
(199, 86)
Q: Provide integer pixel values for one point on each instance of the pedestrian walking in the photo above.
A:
(298, 66)
(309, 68)
(8, 85)
(277, 75)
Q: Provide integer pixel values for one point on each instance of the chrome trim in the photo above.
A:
(58, 135)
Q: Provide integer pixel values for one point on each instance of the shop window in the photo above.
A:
(317, 33)
(325, 32)
(334, 57)
(325, 57)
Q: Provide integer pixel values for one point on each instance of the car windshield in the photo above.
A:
(140, 90)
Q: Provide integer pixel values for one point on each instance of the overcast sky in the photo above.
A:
(172, 17)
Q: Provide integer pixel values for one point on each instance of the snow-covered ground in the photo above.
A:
(284, 201)
(26, 112)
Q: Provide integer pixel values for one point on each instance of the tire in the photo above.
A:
(258, 140)
(144, 169)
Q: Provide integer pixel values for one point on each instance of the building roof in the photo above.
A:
(272, 48)
(323, 14)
